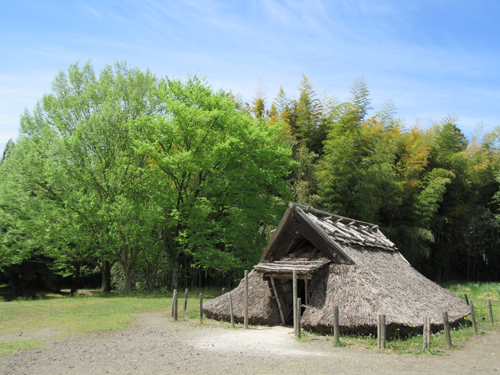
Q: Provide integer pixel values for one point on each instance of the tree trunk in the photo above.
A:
(76, 279)
(106, 276)
(175, 273)
(128, 278)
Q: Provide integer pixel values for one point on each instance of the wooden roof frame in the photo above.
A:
(295, 222)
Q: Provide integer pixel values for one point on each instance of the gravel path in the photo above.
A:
(156, 345)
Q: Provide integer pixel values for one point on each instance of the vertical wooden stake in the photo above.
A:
(379, 332)
(175, 305)
(446, 324)
(428, 333)
(491, 311)
(246, 300)
(173, 302)
(473, 316)
(382, 331)
(299, 302)
(223, 290)
(336, 331)
(186, 291)
(466, 299)
(424, 335)
(201, 308)
(294, 299)
(307, 292)
(278, 301)
(231, 309)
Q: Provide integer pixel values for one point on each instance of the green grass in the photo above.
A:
(85, 313)
(12, 346)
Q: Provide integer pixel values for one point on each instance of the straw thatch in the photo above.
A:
(341, 262)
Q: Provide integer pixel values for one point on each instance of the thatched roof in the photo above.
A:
(345, 263)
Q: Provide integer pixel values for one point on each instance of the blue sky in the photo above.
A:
(432, 58)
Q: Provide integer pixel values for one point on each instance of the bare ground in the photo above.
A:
(157, 345)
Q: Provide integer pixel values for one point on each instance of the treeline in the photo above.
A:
(155, 182)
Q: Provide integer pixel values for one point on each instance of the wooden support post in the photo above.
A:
(223, 290)
(307, 292)
(473, 316)
(246, 300)
(446, 325)
(278, 301)
(424, 335)
(491, 311)
(173, 302)
(336, 330)
(379, 332)
(201, 308)
(175, 305)
(299, 308)
(428, 333)
(294, 299)
(231, 309)
(466, 299)
(383, 331)
(186, 291)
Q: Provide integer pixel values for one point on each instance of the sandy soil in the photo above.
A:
(156, 345)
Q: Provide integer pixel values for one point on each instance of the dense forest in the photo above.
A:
(132, 181)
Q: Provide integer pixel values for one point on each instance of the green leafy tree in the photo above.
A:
(223, 175)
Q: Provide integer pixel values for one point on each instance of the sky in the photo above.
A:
(432, 58)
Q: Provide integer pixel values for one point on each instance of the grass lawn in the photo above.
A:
(84, 313)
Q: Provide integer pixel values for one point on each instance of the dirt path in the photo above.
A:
(156, 345)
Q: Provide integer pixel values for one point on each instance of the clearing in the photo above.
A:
(154, 344)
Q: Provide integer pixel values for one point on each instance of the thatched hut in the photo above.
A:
(340, 262)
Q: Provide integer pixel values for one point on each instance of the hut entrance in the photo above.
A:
(282, 291)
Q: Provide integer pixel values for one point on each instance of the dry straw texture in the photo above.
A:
(380, 281)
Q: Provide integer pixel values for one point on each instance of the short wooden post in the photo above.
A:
(231, 309)
(223, 290)
(446, 325)
(173, 302)
(294, 299)
(473, 316)
(299, 302)
(307, 292)
(379, 332)
(336, 331)
(186, 291)
(428, 333)
(424, 335)
(383, 331)
(466, 299)
(246, 300)
(175, 305)
(201, 308)
(491, 311)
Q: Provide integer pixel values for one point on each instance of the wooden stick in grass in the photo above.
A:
(175, 305)
(446, 325)
(294, 299)
(424, 335)
(245, 322)
(473, 316)
(173, 302)
(186, 291)
(231, 309)
(201, 308)
(491, 311)
(336, 330)
(428, 333)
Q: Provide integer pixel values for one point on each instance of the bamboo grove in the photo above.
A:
(156, 182)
